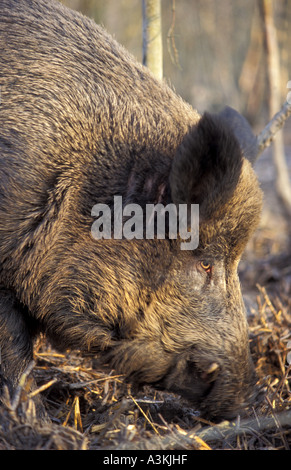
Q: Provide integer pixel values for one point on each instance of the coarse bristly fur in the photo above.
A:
(80, 122)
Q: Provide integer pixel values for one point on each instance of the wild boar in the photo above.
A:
(81, 121)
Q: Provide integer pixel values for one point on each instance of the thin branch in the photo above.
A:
(265, 138)
(171, 38)
(229, 430)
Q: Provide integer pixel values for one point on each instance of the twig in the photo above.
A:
(22, 381)
(78, 385)
(269, 304)
(249, 426)
(265, 138)
(171, 38)
(42, 388)
(146, 417)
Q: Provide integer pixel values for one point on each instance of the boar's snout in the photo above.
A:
(214, 386)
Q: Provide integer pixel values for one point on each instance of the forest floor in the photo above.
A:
(89, 409)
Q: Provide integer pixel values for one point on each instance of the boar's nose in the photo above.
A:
(206, 374)
(225, 395)
(213, 386)
(218, 392)
(208, 377)
(199, 380)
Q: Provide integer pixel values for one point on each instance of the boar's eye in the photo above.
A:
(206, 266)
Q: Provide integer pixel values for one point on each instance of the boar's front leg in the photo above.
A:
(15, 340)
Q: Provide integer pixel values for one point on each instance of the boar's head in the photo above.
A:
(174, 318)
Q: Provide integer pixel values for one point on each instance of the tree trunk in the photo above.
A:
(152, 37)
(273, 64)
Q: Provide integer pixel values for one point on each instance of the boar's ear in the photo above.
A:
(206, 167)
(242, 130)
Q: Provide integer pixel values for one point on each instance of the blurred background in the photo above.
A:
(216, 54)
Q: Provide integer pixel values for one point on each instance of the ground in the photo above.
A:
(89, 409)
